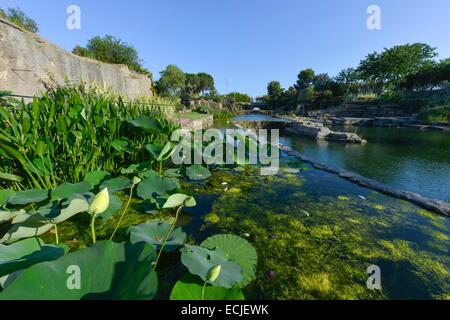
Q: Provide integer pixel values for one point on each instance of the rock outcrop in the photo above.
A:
(318, 131)
(28, 63)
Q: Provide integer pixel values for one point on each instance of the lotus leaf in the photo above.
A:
(156, 185)
(29, 196)
(25, 253)
(189, 287)
(116, 184)
(237, 249)
(200, 260)
(154, 233)
(107, 270)
(179, 199)
(197, 172)
(5, 196)
(8, 215)
(67, 189)
(94, 178)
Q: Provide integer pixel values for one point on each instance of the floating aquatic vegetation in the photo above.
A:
(325, 255)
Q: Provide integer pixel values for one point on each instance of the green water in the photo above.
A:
(316, 236)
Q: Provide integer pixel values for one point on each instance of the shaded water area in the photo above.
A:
(315, 234)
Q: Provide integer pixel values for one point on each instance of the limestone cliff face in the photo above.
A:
(28, 62)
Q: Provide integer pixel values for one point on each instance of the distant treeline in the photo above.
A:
(388, 75)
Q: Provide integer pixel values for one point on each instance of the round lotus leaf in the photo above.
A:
(154, 233)
(116, 184)
(238, 250)
(23, 254)
(94, 178)
(155, 185)
(29, 196)
(22, 230)
(200, 260)
(104, 271)
(69, 208)
(179, 199)
(189, 287)
(67, 190)
(53, 213)
(197, 172)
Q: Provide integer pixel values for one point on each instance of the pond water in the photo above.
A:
(315, 234)
(409, 159)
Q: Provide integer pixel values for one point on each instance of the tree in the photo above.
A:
(347, 82)
(192, 85)
(239, 97)
(206, 82)
(305, 79)
(172, 81)
(110, 49)
(199, 83)
(390, 67)
(18, 17)
(429, 77)
(322, 82)
(274, 93)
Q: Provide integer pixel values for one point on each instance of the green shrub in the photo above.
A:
(435, 115)
(19, 18)
(223, 115)
(204, 108)
(110, 49)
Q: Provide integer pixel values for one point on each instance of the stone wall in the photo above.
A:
(29, 62)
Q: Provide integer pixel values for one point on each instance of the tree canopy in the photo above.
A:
(305, 79)
(390, 67)
(274, 93)
(172, 81)
(18, 17)
(240, 97)
(199, 83)
(110, 49)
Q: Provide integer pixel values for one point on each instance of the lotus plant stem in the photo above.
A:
(56, 234)
(167, 236)
(203, 290)
(94, 239)
(123, 213)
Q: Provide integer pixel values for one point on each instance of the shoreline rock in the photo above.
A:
(318, 131)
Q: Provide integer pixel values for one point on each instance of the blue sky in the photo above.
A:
(245, 44)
